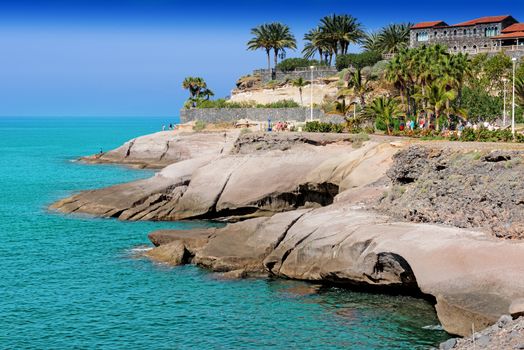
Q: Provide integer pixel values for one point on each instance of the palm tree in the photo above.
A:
(386, 109)
(300, 83)
(198, 90)
(341, 31)
(280, 39)
(315, 42)
(333, 37)
(261, 41)
(342, 108)
(206, 93)
(194, 85)
(359, 86)
(438, 98)
(394, 38)
(370, 42)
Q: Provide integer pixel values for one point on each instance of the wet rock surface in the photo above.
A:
(470, 189)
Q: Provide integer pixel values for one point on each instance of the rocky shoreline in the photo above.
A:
(382, 213)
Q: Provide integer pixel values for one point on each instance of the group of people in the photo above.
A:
(409, 125)
(282, 126)
(171, 127)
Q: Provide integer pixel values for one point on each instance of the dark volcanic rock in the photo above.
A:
(460, 189)
(505, 334)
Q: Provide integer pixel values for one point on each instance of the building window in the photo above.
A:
(491, 31)
(474, 47)
(474, 31)
(436, 33)
(465, 32)
(445, 33)
(422, 36)
(455, 33)
(465, 48)
(485, 45)
(454, 48)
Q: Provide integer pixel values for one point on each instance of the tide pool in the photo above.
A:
(79, 282)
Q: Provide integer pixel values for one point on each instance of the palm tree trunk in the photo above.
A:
(300, 92)
(276, 62)
(268, 61)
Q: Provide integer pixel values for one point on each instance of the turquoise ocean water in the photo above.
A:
(76, 282)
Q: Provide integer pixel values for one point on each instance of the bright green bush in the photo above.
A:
(222, 103)
(279, 104)
(485, 135)
(316, 126)
(480, 105)
(358, 60)
(290, 64)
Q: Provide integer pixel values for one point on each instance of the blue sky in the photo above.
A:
(128, 57)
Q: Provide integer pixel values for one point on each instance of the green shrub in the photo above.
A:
(290, 64)
(316, 126)
(279, 104)
(485, 135)
(480, 105)
(222, 103)
(199, 125)
(358, 60)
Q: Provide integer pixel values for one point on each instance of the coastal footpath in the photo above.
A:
(441, 220)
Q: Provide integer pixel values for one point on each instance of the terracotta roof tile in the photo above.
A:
(513, 35)
(482, 20)
(431, 24)
(517, 27)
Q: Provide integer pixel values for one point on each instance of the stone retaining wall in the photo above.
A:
(213, 115)
(322, 72)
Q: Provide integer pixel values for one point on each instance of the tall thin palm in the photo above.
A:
(340, 31)
(439, 98)
(300, 83)
(280, 38)
(261, 41)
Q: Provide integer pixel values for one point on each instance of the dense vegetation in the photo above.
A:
(290, 64)
(358, 60)
(428, 85)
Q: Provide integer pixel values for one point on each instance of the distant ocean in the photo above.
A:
(78, 282)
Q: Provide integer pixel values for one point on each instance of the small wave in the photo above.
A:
(140, 249)
(433, 328)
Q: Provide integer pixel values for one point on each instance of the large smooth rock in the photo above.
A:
(462, 269)
(291, 172)
(163, 148)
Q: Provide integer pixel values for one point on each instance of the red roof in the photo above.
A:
(513, 35)
(517, 27)
(432, 24)
(482, 20)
